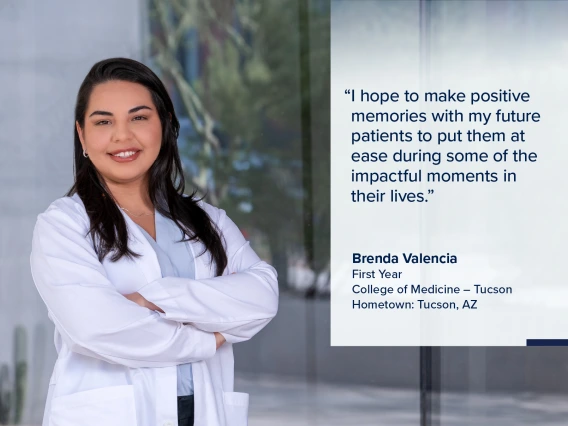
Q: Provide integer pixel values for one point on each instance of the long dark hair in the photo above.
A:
(166, 183)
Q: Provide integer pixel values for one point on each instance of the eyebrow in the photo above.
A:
(132, 110)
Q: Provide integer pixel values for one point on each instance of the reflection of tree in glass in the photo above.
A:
(12, 391)
(5, 394)
(234, 68)
(21, 372)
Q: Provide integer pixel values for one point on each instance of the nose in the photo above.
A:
(122, 132)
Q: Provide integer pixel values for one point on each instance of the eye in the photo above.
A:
(102, 122)
(140, 118)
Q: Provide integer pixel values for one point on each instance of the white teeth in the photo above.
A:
(125, 154)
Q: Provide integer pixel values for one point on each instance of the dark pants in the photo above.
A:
(185, 410)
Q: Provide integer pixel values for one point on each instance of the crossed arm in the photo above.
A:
(173, 320)
(141, 301)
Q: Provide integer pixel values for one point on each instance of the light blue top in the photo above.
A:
(176, 260)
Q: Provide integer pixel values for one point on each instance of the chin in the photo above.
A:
(122, 178)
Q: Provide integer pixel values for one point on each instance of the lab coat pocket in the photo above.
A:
(109, 406)
(236, 408)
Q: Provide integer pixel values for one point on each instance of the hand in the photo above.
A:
(140, 300)
(219, 339)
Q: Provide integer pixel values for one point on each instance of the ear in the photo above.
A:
(80, 133)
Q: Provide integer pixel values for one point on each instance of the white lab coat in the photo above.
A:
(117, 361)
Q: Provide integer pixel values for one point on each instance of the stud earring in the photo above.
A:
(85, 154)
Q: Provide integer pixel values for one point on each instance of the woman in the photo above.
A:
(148, 288)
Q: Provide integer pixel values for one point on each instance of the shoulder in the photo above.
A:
(216, 214)
(62, 229)
(69, 210)
(228, 229)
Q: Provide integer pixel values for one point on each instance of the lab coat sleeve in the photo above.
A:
(237, 304)
(92, 317)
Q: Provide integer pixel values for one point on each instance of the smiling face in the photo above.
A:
(122, 132)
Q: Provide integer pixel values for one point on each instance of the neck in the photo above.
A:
(132, 195)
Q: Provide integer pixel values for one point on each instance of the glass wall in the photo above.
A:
(497, 385)
(250, 80)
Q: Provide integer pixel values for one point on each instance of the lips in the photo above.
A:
(125, 155)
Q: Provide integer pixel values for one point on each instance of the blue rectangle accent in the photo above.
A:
(547, 342)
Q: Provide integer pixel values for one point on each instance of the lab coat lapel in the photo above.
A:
(148, 263)
(203, 264)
